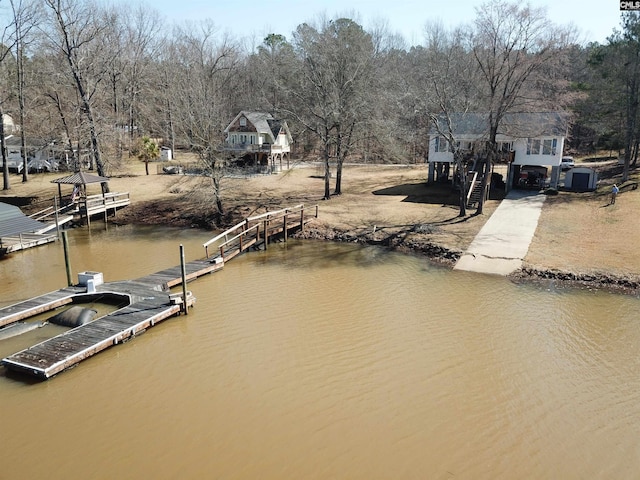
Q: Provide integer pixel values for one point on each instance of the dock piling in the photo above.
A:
(67, 262)
(185, 307)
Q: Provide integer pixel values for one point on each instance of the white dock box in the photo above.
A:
(84, 277)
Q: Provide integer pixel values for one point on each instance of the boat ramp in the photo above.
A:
(148, 299)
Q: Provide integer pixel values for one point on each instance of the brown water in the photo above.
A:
(317, 361)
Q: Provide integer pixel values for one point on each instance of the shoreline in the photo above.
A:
(412, 241)
(442, 256)
(581, 241)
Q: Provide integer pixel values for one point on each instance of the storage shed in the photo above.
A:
(166, 154)
(581, 179)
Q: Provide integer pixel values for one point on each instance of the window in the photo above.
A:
(533, 146)
(441, 145)
(243, 122)
(546, 147)
(505, 147)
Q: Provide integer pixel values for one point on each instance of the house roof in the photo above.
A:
(14, 222)
(16, 141)
(516, 125)
(81, 178)
(263, 122)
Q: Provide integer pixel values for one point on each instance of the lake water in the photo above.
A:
(319, 360)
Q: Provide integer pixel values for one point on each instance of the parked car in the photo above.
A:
(567, 163)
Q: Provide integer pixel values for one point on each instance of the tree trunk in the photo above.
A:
(339, 160)
(463, 185)
(74, 161)
(216, 195)
(327, 166)
(3, 149)
(23, 141)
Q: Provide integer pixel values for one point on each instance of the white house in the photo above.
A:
(524, 140)
(258, 139)
(40, 157)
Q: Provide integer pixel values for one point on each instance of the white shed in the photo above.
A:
(165, 154)
(581, 179)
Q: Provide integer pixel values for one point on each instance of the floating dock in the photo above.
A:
(148, 299)
(149, 302)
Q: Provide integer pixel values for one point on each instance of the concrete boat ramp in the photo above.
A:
(148, 299)
(503, 242)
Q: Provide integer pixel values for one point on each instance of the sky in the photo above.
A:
(594, 19)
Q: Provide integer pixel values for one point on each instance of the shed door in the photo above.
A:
(580, 182)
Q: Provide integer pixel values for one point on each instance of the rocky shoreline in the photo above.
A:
(440, 255)
(629, 285)
(414, 240)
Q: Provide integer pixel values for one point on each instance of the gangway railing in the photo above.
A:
(471, 183)
(258, 228)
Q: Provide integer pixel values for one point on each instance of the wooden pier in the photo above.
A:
(53, 218)
(148, 299)
(82, 209)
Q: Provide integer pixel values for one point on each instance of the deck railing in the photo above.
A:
(250, 231)
(108, 200)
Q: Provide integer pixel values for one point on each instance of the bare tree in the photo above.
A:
(5, 76)
(205, 66)
(131, 72)
(78, 33)
(519, 54)
(25, 17)
(448, 76)
(330, 97)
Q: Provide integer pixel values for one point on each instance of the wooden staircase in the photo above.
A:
(474, 189)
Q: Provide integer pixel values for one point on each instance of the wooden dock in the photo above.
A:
(148, 299)
(82, 210)
(25, 240)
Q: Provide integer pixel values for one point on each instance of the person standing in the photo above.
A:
(614, 194)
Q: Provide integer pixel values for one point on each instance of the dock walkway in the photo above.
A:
(148, 299)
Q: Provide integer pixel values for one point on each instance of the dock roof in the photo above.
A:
(13, 222)
(81, 178)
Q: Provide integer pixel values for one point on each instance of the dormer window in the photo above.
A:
(243, 121)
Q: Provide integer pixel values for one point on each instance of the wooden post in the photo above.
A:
(67, 262)
(86, 211)
(55, 208)
(266, 234)
(104, 205)
(206, 250)
(284, 227)
(316, 211)
(302, 218)
(222, 252)
(185, 307)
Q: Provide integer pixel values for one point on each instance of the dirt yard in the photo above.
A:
(579, 236)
